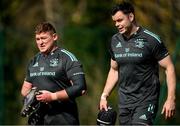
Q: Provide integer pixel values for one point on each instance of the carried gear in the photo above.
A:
(32, 108)
(107, 117)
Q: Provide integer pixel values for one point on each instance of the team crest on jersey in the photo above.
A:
(54, 62)
(139, 43)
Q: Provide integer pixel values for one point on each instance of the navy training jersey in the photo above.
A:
(137, 59)
(53, 73)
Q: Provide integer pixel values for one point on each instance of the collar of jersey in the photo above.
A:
(134, 34)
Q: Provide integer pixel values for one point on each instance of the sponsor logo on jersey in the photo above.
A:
(54, 62)
(151, 108)
(41, 68)
(35, 65)
(143, 117)
(42, 72)
(127, 50)
(35, 74)
(127, 54)
(120, 55)
(118, 45)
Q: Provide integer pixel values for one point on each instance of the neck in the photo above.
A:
(131, 31)
(50, 50)
(54, 48)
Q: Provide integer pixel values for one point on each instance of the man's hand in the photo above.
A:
(46, 96)
(103, 104)
(168, 108)
(30, 104)
(103, 101)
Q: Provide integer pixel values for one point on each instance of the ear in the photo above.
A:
(55, 36)
(131, 17)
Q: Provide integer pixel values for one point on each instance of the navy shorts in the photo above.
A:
(143, 114)
(61, 119)
(58, 114)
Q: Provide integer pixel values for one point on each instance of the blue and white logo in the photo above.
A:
(139, 43)
(54, 62)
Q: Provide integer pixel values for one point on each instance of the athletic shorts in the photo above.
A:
(61, 119)
(143, 114)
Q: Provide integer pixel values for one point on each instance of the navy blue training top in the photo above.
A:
(54, 72)
(137, 59)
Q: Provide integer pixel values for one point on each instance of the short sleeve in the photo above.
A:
(72, 66)
(110, 50)
(159, 51)
(27, 76)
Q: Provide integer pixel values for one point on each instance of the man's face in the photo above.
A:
(45, 41)
(122, 21)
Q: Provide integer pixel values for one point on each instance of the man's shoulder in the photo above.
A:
(66, 53)
(117, 35)
(152, 36)
(116, 38)
(34, 58)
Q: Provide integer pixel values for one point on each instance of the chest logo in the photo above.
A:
(35, 65)
(41, 68)
(139, 43)
(54, 62)
(118, 45)
(127, 50)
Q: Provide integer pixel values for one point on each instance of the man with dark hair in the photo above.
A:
(136, 54)
(58, 75)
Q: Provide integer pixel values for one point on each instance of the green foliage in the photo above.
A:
(89, 45)
(85, 28)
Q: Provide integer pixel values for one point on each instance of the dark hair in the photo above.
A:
(44, 27)
(125, 7)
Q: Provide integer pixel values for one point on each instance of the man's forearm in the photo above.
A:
(26, 87)
(110, 82)
(171, 82)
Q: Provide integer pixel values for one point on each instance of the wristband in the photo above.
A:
(54, 96)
